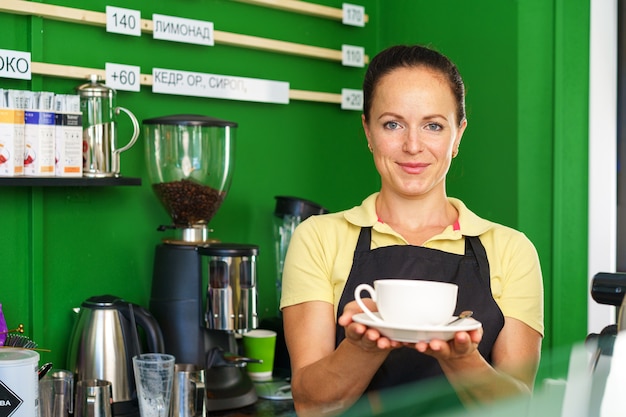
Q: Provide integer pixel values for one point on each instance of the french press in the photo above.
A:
(101, 152)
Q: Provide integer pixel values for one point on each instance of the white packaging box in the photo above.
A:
(39, 143)
(11, 142)
(69, 145)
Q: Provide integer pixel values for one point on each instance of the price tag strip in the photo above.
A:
(123, 22)
(127, 77)
(168, 81)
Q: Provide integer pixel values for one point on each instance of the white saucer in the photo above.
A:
(410, 334)
(274, 389)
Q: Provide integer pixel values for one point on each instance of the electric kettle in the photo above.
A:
(104, 340)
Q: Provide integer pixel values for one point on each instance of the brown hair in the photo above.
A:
(412, 56)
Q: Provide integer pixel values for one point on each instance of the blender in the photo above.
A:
(289, 212)
(190, 161)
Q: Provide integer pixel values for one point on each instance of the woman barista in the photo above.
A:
(413, 118)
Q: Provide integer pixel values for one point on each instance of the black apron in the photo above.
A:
(469, 271)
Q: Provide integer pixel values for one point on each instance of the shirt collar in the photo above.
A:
(469, 224)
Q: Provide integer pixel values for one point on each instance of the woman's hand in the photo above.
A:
(462, 345)
(358, 334)
(326, 378)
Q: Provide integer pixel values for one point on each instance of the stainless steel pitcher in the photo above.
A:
(93, 398)
(104, 341)
(56, 394)
(188, 391)
(101, 150)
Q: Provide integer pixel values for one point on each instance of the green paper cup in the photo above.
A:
(260, 344)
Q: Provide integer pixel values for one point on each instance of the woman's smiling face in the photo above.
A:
(413, 130)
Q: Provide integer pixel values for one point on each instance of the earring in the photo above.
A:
(455, 153)
(369, 146)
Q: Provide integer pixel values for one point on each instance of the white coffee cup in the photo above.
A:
(408, 302)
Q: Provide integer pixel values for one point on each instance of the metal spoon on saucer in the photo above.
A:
(464, 314)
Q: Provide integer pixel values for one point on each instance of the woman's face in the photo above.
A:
(413, 131)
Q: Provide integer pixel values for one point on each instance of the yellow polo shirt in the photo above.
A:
(320, 253)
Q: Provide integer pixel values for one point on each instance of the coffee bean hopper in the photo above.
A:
(201, 314)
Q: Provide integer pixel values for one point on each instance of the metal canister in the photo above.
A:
(231, 292)
(19, 391)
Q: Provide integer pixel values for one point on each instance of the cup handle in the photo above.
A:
(372, 293)
(133, 139)
(198, 397)
(70, 395)
(91, 405)
(115, 158)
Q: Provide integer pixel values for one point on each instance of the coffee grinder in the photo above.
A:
(190, 161)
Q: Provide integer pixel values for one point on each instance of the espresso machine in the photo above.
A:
(606, 288)
(203, 291)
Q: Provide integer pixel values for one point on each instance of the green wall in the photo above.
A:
(522, 63)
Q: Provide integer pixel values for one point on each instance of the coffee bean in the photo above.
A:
(188, 202)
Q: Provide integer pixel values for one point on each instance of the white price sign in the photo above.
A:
(197, 84)
(123, 21)
(15, 64)
(351, 99)
(353, 15)
(352, 56)
(179, 29)
(122, 77)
